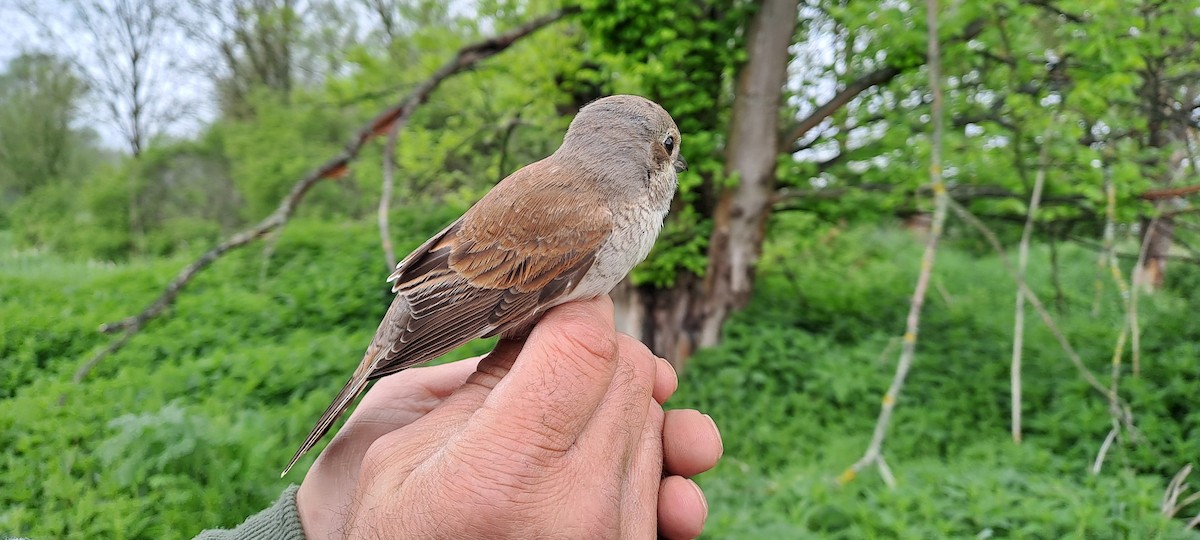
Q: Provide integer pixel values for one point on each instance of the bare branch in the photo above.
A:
(851, 91)
(1171, 505)
(335, 167)
(385, 198)
(1123, 412)
(1131, 308)
(881, 76)
(874, 452)
(1104, 446)
(1169, 193)
(1049, 6)
(1022, 262)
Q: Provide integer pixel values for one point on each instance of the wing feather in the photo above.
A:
(516, 253)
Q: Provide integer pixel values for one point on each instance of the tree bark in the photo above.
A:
(1157, 234)
(678, 320)
(690, 313)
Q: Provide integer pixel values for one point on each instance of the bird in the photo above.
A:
(568, 227)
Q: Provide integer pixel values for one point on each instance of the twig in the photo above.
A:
(1171, 505)
(887, 349)
(1127, 298)
(1131, 311)
(335, 167)
(1060, 296)
(1035, 199)
(1124, 413)
(1107, 256)
(272, 241)
(874, 452)
(509, 127)
(91, 363)
(945, 294)
(385, 198)
(1108, 440)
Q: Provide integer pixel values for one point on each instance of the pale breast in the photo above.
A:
(634, 231)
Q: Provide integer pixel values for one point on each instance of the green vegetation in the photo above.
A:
(188, 426)
(105, 195)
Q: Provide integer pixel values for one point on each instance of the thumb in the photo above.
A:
(558, 380)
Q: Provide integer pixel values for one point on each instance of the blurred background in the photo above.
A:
(135, 136)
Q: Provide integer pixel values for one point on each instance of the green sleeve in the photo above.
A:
(279, 522)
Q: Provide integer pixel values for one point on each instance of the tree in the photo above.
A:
(40, 97)
(268, 45)
(684, 304)
(122, 50)
(858, 127)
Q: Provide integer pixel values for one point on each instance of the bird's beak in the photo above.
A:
(680, 164)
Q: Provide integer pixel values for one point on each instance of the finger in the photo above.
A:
(490, 370)
(682, 509)
(666, 381)
(401, 451)
(542, 404)
(616, 429)
(643, 474)
(392, 403)
(401, 398)
(691, 442)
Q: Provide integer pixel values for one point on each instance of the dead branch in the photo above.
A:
(385, 198)
(1125, 412)
(1169, 193)
(335, 167)
(1109, 256)
(1131, 309)
(959, 192)
(1104, 446)
(851, 91)
(1092, 245)
(1035, 199)
(874, 452)
(510, 127)
(1171, 505)
(789, 140)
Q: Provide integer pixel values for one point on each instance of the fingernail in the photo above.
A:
(673, 372)
(700, 493)
(718, 432)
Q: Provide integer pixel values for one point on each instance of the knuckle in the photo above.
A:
(582, 340)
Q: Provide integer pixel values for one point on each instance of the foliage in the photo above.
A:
(185, 427)
(40, 143)
(796, 383)
(196, 414)
(202, 409)
(682, 55)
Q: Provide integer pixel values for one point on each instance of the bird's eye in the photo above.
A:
(669, 144)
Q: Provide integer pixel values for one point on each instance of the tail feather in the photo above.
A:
(335, 410)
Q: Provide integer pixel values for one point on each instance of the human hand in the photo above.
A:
(569, 440)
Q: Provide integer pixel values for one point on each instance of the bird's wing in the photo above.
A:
(506, 260)
(526, 244)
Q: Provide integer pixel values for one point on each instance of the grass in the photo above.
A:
(189, 425)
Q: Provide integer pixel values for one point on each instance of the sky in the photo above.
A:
(186, 90)
(17, 31)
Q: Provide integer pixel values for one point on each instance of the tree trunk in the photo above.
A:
(676, 321)
(1160, 239)
(1154, 268)
(666, 320)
